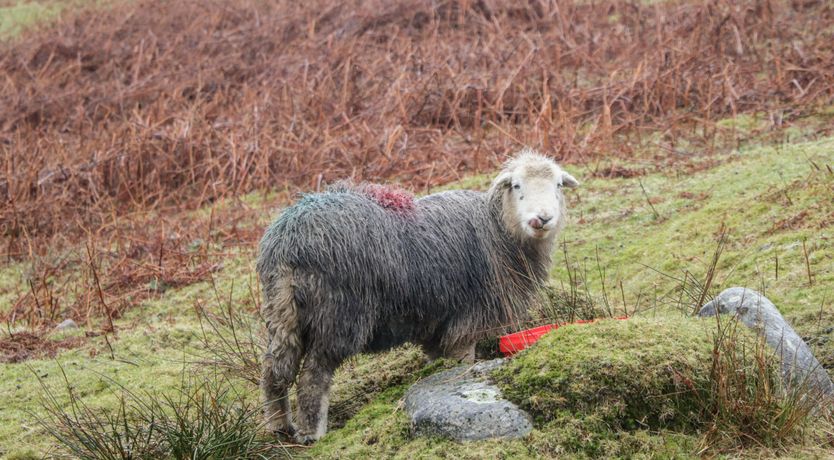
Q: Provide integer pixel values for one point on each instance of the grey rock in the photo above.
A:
(463, 405)
(66, 325)
(799, 365)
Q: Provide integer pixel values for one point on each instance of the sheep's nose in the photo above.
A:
(544, 218)
(536, 223)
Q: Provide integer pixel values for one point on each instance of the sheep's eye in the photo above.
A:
(516, 186)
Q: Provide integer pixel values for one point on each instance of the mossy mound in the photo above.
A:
(626, 374)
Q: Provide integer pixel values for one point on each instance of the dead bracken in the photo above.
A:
(147, 109)
(20, 346)
(142, 104)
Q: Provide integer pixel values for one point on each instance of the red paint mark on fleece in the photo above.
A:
(392, 198)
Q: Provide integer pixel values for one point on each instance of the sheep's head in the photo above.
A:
(529, 189)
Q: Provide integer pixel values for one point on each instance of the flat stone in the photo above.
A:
(463, 405)
(799, 365)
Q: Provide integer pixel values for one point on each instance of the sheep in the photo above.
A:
(365, 268)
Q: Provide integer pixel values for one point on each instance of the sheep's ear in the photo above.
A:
(504, 180)
(569, 181)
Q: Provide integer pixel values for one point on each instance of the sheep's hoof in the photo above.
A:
(285, 434)
(305, 439)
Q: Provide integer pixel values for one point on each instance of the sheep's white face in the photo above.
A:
(536, 204)
(533, 201)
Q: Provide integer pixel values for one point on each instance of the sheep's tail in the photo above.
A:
(284, 349)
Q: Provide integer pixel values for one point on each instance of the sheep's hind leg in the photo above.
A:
(283, 354)
(460, 352)
(313, 398)
(464, 353)
(279, 369)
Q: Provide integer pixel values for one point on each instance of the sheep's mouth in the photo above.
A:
(538, 233)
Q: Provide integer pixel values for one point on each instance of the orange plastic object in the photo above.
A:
(511, 344)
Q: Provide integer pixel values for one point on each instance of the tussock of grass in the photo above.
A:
(628, 374)
(744, 403)
(203, 419)
(611, 388)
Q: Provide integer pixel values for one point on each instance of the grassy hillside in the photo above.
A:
(145, 145)
(756, 193)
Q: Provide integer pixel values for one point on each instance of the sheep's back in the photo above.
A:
(432, 260)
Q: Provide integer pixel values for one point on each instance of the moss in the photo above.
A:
(655, 386)
(381, 430)
(603, 359)
(625, 374)
(578, 436)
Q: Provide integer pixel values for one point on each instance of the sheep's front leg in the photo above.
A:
(313, 399)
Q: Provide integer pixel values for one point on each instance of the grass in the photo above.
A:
(141, 361)
(642, 227)
(770, 199)
(608, 389)
(621, 372)
(17, 16)
(206, 418)
(611, 223)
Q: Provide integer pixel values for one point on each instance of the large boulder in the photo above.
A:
(799, 365)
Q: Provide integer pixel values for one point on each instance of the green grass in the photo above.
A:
(16, 17)
(771, 200)
(627, 388)
(757, 193)
(142, 362)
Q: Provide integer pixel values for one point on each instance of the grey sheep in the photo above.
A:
(364, 268)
